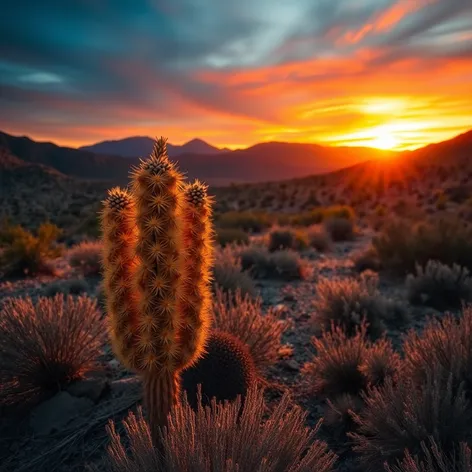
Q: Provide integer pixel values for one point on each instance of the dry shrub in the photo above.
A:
(27, 254)
(228, 437)
(243, 317)
(319, 239)
(340, 229)
(225, 236)
(399, 417)
(46, 345)
(287, 238)
(439, 286)
(348, 364)
(87, 257)
(229, 276)
(349, 302)
(435, 460)
(446, 344)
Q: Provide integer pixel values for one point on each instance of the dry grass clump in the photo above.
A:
(285, 264)
(366, 259)
(347, 302)
(243, 317)
(249, 221)
(87, 257)
(319, 239)
(348, 364)
(340, 229)
(287, 238)
(225, 236)
(226, 437)
(402, 416)
(439, 286)
(27, 254)
(229, 276)
(445, 344)
(435, 460)
(401, 246)
(46, 345)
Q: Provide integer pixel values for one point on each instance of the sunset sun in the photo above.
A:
(384, 139)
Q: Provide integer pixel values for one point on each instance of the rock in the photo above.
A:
(57, 412)
(92, 388)
(126, 386)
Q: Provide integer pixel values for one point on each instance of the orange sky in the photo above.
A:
(395, 74)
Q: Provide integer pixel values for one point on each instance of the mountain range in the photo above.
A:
(140, 146)
(261, 162)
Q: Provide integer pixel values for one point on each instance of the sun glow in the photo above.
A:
(384, 139)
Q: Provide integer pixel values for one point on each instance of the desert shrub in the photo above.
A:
(243, 317)
(401, 245)
(340, 229)
(46, 345)
(87, 257)
(399, 417)
(279, 265)
(435, 460)
(339, 211)
(439, 286)
(447, 344)
(287, 238)
(347, 302)
(224, 438)
(287, 265)
(248, 221)
(320, 214)
(229, 276)
(67, 287)
(348, 364)
(225, 236)
(27, 254)
(319, 239)
(366, 259)
(255, 259)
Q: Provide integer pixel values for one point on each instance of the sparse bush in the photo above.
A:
(27, 254)
(243, 317)
(287, 265)
(225, 236)
(435, 460)
(367, 259)
(401, 417)
(67, 287)
(46, 345)
(228, 275)
(87, 257)
(401, 245)
(255, 259)
(249, 221)
(348, 364)
(340, 229)
(319, 239)
(439, 286)
(287, 238)
(224, 438)
(446, 344)
(347, 302)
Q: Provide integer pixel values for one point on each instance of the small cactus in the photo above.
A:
(225, 371)
(158, 246)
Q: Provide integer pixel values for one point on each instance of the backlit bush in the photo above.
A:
(87, 257)
(439, 286)
(227, 437)
(46, 345)
(287, 238)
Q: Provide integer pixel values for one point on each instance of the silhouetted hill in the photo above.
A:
(141, 146)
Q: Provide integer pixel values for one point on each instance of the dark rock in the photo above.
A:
(57, 412)
(92, 388)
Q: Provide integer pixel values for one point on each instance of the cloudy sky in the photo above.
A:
(237, 72)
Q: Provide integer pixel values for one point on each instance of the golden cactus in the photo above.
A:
(158, 254)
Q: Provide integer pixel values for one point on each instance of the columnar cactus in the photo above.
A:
(157, 277)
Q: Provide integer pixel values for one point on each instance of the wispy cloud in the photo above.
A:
(237, 73)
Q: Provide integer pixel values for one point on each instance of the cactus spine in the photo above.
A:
(165, 317)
